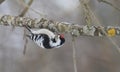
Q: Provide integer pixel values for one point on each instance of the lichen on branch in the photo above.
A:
(61, 27)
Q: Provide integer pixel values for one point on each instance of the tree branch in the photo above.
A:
(106, 2)
(86, 11)
(1, 1)
(26, 8)
(62, 27)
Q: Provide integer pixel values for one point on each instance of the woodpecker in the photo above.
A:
(45, 38)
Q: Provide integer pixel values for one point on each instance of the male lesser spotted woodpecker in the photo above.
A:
(45, 38)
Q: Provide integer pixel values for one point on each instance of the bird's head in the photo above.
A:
(59, 40)
(62, 38)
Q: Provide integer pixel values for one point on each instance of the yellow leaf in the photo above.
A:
(111, 32)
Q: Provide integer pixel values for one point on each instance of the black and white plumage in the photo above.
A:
(45, 38)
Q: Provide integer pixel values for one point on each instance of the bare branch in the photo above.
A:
(106, 2)
(74, 54)
(86, 11)
(105, 31)
(26, 8)
(1, 1)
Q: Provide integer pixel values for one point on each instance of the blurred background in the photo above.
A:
(93, 54)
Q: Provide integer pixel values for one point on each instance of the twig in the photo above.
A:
(1, 1)
(74, 54)
(21, 15)
(109, 32)
(87, 16)
(26, 8)
(26, 41)
(106, 2)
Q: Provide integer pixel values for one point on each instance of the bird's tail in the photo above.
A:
(28, 28)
